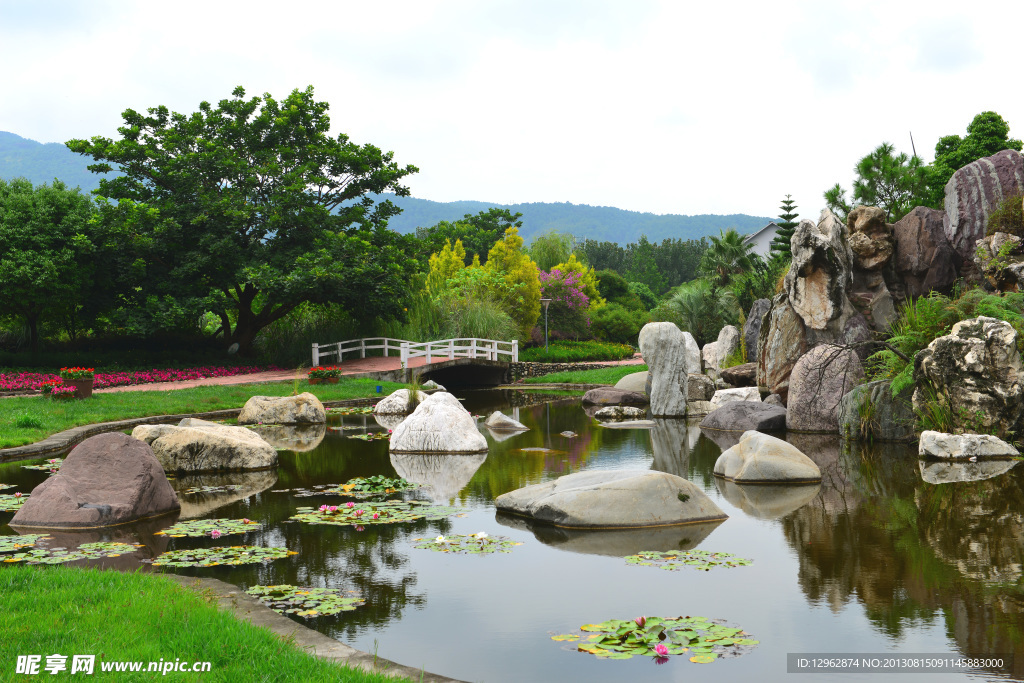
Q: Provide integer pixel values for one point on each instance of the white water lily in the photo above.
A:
(439, 539)
(482, 534)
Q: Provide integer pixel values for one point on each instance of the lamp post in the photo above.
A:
(545, 302)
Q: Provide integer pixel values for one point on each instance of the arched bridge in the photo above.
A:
(457, 362)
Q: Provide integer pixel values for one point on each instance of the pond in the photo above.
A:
(881, 558)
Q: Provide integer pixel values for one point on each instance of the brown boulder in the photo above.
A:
(925, 260)
(609, 396)
(974, 191)
(741, 375)
(106, 480)
(819, 381)
(870, 238)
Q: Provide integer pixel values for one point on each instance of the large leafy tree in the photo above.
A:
(642, 265)
(478, 233)
(780, 245)
(520, 296)
(728, 255)
(987, 134)
(893, 182)
(250, 208)
(47, 252)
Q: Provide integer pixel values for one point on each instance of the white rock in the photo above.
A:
(200, 446)
(723, 396)
(664, 348)
(397, 403)
(620, 413)
(955, 446)
(759, 457)
(438, 425)
(302, 409)
(500, 422)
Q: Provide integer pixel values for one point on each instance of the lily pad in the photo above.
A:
(210, 527)
(12, 501)
(370, 436)
(226, 488)
(476, 544)
(306, 602)
(351, 410)
(6, 486)
(212, 557)
(381, 512)
(52, 466)
(699, 638)
(674, 560)
(86, 551)
(570, 637)
(11, 543)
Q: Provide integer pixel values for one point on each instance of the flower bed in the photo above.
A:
(33, 381)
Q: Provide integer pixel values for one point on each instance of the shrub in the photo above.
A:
(1007, 217)
(644, 293)
(613, 322)
(576, 352)
(611, 285)
(567, 312)
(703, 309)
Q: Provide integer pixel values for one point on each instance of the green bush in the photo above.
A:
(576, 352)
(1008, 217)
(644, 293)
(611, 285)
(703, 309)
(614, 323)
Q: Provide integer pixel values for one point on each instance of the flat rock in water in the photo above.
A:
(609, 396)
(302, 409)
(762, 458)
(636, 382)
(609, 499)
(500, 422)
(742, 416)
(620, 413)
(438, 425)
(629, 424)
(724, 396)
(106, 480)
(956, 446)
(200, 446)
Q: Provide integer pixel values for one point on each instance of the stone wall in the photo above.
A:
(521, 369)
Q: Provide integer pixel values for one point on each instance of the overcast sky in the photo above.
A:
(667, 107)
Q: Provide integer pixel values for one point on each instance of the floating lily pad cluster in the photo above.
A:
(226, 488)
(6, 486)
(52, 466)
(209, 527)
(212, 557)
(373, 486)
(306, 602)
(352, 410)
(12, 501)
(86, 551)
(384, 512)
(477, 544)
(699, 638)
(371, 436)
(674, 560)
(11, 543)
(346, 428)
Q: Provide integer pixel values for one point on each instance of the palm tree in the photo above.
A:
(704, 309)
(728, 255)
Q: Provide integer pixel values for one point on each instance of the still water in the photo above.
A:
(885, 557)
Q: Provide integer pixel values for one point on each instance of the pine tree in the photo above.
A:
(787, 226)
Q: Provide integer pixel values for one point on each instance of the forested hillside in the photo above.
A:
(41, 163)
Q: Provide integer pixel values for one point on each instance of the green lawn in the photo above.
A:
(28, 419)
(599, 376)
(142, 617)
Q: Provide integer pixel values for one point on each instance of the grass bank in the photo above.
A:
(143, 618)
(599, 376)
(28, 419)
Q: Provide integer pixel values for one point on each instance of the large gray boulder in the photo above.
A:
(714, 354)
(636, 382)
(612, 498)
(974, 191)
(500, 422)
(200, 446)
(963, 446)
(438, 425)
(870, 411)
(610, 396)
(819, 381)
(302, 409)
(752, 328)
(106, 480)
(925, 260)
(620, 413)
(397, 403)
(743, 416)
(699, 387)
(762, 458)
(976, 371)
(663, 347)
(724, 396)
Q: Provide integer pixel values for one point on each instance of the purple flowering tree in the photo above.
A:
(567, 314)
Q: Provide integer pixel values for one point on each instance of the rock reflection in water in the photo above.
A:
(767, 501)
(195, 505)
(951, 472)
(500, 436)
(137, 532)
(672, 441)
(389, 421)
(296, 438)
(443, 476)
(615, 543)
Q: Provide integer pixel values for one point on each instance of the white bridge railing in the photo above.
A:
(442, 349)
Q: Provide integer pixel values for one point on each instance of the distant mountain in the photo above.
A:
(41, 163)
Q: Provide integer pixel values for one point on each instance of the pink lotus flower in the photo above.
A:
(358, 513)
(333, 508)
(640, 621)
(661, 649)
(360, 528)
(324, 508)
(17, 495)
(215, 534)
(376, 515)
(350, 505)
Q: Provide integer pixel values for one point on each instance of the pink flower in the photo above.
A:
(358, 513)
(360, 528)
(350, 504)
(215, 534)
(376, 515)
(17, 495)
(661, 649)
(333, 508)
(324, 508)
(640, 621)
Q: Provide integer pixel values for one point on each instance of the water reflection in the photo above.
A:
(946, 472)
(292, 437)
(244, 485)
(672, 440)
(614, 543)
(767, 501)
